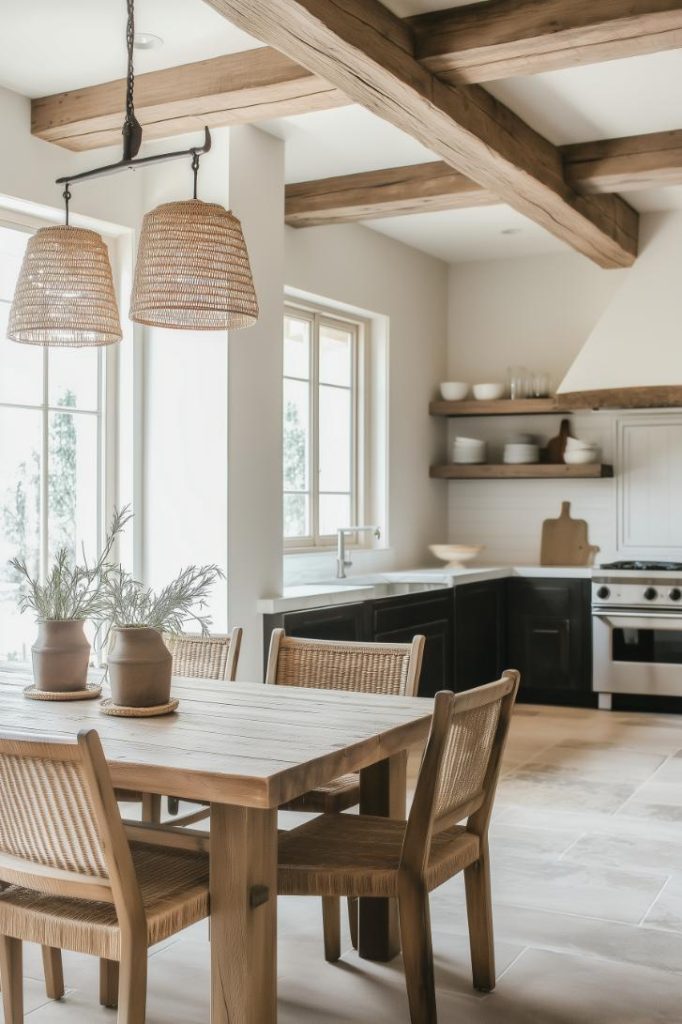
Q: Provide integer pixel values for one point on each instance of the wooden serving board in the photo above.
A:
(565, 541)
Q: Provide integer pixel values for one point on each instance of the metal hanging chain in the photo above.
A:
(132, 129)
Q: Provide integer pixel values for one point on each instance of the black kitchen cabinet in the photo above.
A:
(479, 647)
(339, 622)
(549, 639)
(397, 619)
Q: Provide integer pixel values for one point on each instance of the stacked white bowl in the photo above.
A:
(468, 450)
(580, 453)
(520, 453)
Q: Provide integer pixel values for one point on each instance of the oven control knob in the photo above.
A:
(603, 593)
(675, 594)
(651, 593)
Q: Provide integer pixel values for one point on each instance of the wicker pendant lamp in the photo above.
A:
(193, 270)
(65, 291)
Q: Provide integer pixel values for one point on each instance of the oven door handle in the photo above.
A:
(642, 620)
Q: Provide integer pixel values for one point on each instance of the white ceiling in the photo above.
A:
(47, 47)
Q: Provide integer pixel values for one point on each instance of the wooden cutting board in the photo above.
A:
(554, 452)
(564, 540)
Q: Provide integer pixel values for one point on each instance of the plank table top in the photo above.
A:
(245, 744)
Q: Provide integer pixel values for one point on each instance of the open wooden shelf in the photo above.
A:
(501, 407)
(532, 471)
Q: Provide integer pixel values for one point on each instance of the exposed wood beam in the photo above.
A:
(362, 49)
(476, 43)
(234, 89)
(419, 188)
(505, 38)
(614, 165)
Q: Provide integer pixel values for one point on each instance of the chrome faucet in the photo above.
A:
(343, 563)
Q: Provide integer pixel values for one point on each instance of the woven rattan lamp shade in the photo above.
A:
(193, 270)
(65, 291)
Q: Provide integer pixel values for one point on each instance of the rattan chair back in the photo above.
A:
(214, 656)
(392, 669)
(60, 829)
(461, 764)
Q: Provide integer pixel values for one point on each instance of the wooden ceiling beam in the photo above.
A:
(363, 50)
(506, 38)
(234, 89)
(612, 165)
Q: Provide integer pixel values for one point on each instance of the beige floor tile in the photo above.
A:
(34, 997)
(552, 786)
(666, 912)
(608, 762)
(638, 852)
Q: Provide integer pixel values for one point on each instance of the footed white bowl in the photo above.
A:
(455, 554)
(454, 390)
(489, 392)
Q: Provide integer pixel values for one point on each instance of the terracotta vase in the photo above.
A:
(140, 667)
(61, 655)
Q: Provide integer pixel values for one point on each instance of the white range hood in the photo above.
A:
(633, 357)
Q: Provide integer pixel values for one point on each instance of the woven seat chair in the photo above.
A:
(337, 855)
(71, 879)
(356, 667)
(195, 656)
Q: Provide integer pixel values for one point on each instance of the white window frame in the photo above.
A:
(317, 315)
(105, 413)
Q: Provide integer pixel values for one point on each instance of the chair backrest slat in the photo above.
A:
(461, 763)
(214, 656)
(345, 665)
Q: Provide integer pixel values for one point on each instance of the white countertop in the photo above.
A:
(391, 584)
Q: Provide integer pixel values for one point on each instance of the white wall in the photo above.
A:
(407, 290)
(536, 312)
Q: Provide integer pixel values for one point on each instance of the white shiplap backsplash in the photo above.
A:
(506, 515)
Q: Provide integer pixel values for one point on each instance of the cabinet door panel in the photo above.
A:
(399, 619)
(436, 671)
(479, 633)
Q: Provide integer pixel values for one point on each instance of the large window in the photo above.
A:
(323, 425)
(50, 453)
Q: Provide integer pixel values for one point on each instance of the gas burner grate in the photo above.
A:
(637, 566)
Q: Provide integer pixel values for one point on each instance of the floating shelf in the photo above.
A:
(501, 407)
(532, 471)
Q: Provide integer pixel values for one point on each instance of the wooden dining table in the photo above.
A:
(248, 749)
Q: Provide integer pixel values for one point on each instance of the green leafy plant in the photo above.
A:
(127, 602)
(70, 591)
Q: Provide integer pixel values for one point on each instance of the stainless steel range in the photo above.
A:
(637, 629)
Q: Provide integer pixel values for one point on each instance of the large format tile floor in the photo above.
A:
(587, 875)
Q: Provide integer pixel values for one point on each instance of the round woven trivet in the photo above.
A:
(109, 708)
(92, 690)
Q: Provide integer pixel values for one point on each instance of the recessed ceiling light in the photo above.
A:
(511, 231)
(147, 41)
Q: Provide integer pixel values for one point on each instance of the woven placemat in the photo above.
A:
(91, 691)
(107, 707)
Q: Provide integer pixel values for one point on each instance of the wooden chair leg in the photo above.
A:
(151, 808)
(480, 916)
(415, 935)
(353, 916)
(132, 983)
(108, 983)
(54, 975)
(331, 921)
(11, 974)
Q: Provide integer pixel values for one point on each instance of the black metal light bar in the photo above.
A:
(132, 163)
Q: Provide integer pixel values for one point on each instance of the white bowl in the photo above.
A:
(455, 554)
(574, 444)
(520, 454)
(580, 456)
(465, 458)
(454, 390)
(468, 442)
(489, 392)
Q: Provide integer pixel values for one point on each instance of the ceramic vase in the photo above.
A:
(140, 667)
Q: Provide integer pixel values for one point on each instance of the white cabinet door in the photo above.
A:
(649, 485)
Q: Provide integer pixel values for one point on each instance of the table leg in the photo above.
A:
(383, 791)
(243, 915)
